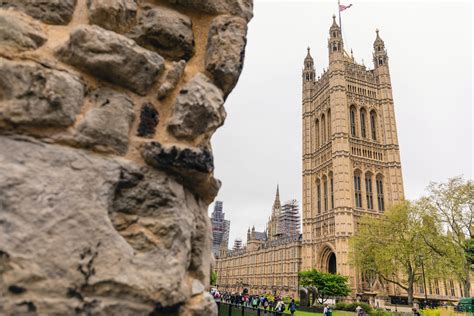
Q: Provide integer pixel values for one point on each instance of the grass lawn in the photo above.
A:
(334, 313)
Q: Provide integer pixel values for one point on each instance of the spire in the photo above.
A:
(380, 53)
(277, 204)
(309, 73)
(335, 43)
(334, 24)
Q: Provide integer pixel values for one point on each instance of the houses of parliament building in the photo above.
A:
(351, 167)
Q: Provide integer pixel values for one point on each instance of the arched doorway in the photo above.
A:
(327, 259)
(332, 266)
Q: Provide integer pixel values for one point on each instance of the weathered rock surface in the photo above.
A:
(225, 50)
(198, 109)
(149, 118)
(33, 95)
(166, 31)
(48, 11)
(83, 234)
(191, 166)
(113, 15)
(173, 75)
(107, 124)
(19, 31)
(199, 305)
(112, 57)
(242, 8)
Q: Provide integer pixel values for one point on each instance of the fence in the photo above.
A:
(226, 309)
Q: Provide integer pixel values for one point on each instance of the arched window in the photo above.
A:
(334, 47)
(323, 130)
(318, 195)
(332, 189)
(373, 124)
(380, 61)
(317, 133)
(353, 121)
(363, 115)
(325, 188)
(333, 34)
(329, 125)
(380, 199)
(357, 190)
(368, 191)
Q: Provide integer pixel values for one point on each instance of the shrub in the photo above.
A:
(380, 312)
(341, 306)
(352, 307)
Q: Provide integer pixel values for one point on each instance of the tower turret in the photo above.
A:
(309, 72)
(380, 53)
(335, 42)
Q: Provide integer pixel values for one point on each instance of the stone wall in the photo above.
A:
(107, 108)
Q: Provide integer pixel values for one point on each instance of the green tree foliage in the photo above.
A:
(453, 205)
(393, 248)
(327, 284)
(213, 278)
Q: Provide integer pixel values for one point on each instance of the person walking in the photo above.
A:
(279, 307)
(292, 307)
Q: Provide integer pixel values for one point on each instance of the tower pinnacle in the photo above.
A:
(380, 53)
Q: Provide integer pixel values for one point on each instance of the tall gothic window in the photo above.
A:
(380, 199)
(325, 187)
(317, 134)
(357, 190)
(318, 193)
(373, 124)
(332, 192)
(368, 190)
(329, 125)
(323, 130)
(353, 121)
(363, 130)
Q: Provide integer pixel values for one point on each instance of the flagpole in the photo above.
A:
(339, 10)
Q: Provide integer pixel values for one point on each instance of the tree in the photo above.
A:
(453, 204)
(392, 247)
(213, 278)
(327, 284)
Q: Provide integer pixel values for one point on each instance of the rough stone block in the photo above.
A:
(149, 118)
(198, 109)
(107, 125)
(19, 31)
(113, 15)
(112, 57)
(242, 8)
(166, 31)
(48, 11)
(191, 166)
(33, 95)
(172, 77)
(225, 50)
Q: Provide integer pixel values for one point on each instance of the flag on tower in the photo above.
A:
(344, 7)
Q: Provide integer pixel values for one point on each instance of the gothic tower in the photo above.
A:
(273, 226)
(351, 161)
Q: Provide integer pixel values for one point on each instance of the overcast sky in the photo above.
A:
(429, 46)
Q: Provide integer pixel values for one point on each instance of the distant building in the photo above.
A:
(290, 219)
(237, 244)
(220, 228)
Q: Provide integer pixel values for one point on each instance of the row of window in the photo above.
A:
(362, 91)
(364, 131)
(327, 207)
(323, 129)
(369, 195)
(367, 153)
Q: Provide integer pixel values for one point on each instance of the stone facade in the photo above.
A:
(270, 261)
(107, 108)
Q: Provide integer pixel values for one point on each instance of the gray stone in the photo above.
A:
(242, 8)
(192, 167)
(19, 31)
(166, 31)
(84, 234)
(225, 50)
(171, 80)
(200, 305)
(48, 11)
(198, 109)
(113, 15)
(33, 95)
(197, 288)
(112, 57)
(107, 125)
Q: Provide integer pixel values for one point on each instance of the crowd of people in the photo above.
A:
(265, 302)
